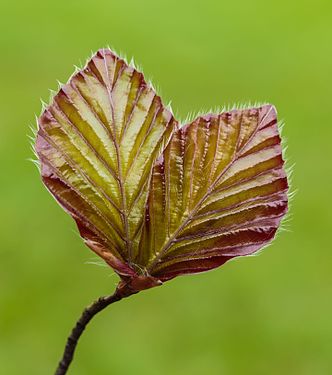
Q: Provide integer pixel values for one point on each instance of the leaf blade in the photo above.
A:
(105, 114)
(235, 198)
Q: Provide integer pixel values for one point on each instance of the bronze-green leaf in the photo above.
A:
(97, 142)
(153, 199)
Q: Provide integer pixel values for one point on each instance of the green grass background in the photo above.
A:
(269, 314)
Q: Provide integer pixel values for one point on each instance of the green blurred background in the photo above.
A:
(269, 314)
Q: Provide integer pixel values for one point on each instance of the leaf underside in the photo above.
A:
(154, 199)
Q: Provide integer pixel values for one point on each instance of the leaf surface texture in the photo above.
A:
(97, 142)
(219, 190)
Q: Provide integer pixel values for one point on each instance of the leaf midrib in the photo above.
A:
(123, 214)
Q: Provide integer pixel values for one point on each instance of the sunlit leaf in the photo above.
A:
(96, 143)
(153, 199)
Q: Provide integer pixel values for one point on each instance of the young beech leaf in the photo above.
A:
(217, 191)
(153, 199)
(97, 142)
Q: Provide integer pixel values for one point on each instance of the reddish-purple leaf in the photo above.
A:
(218, 191)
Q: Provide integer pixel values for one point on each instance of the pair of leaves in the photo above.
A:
(155, 199)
